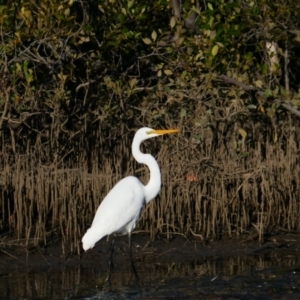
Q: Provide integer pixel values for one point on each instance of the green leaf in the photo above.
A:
(268, 93)
(154, 36)
(130, 4)
(213, 34)
(132, 82)
(162, 43)
(258, 83)
(180, 41)
(242, 132)
(182, 113)
(209, 5)
(215, 50)
(220, 44)
(173, 22)
(147, 41)
(168, 72)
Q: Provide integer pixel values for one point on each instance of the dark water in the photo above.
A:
(249, 277)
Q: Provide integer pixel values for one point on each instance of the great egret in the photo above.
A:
(120, 209)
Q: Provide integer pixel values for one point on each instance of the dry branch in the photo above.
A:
(175, 5)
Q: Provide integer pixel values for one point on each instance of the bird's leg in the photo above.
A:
(130, 256)
(111, 265)
(112, 248)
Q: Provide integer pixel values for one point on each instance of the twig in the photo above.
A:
(83, 85)
(11, 256)
(166, 252)
(5, 109)
(196, 235)
(286, 70)
(43, 256)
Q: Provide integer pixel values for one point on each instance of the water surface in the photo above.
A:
(238, 277)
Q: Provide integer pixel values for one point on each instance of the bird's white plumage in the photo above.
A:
(120, 209)
(111, 211)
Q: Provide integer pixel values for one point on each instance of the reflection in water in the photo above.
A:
(259, 277)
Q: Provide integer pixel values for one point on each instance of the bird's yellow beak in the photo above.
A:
(163, 131)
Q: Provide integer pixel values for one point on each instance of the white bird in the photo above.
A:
(120, 209)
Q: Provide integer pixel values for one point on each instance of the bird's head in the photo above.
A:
(148, 133)
(88, 240)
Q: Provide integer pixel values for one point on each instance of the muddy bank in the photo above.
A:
(179, 250)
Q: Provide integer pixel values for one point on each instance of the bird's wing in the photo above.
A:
(121, 206)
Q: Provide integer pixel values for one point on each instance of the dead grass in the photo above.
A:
(216, 182)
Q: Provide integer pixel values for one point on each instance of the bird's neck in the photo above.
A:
(154, 184)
